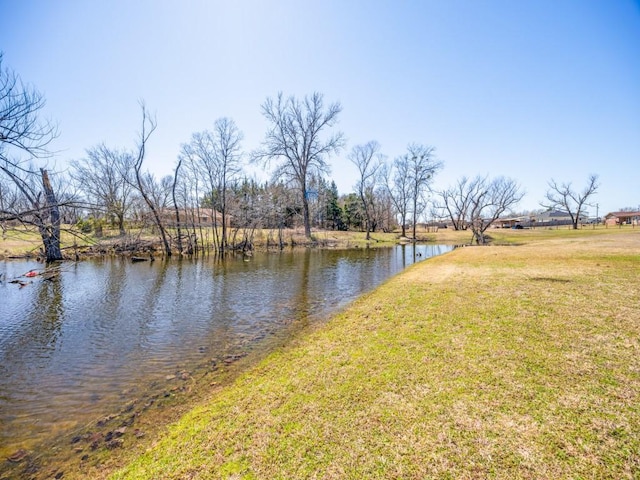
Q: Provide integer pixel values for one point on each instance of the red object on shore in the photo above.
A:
(31, 273)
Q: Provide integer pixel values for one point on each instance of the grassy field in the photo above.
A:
(514, 362)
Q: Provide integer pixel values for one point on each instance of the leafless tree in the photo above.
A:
(383, 211)
(295, 139)
(22, 131)
(398, 186)
(7, 197)
(368, 160)
(488, 199)
(217, 156)
(145, 182)
(37, 205)
(158, 190)
(189, 187)
(573, 202)
(174, 188)
(422, 166)
(105, 176)
(20, 124)
(456, 201)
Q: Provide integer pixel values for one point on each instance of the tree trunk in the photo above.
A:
(223, 213)
(305, 214)
(144, 136)
(121, 228)
(175, 204)
(415, 217)
(50, 234)
(157, 220)
(366, 217)
(223, 242)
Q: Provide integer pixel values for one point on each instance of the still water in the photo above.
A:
(75, 347)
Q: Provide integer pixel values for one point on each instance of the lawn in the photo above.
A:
(489, 362)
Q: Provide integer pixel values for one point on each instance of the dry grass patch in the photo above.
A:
(494, 362)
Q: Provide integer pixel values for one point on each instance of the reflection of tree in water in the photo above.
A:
(50, 301)
(254, 299)
(161, 267)
(302, 305)
(225, 293)
(43, 322)
(29, 352)
(403, 257)
(234, 305)
(116, 280)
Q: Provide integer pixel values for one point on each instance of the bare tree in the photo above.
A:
(105, 176)
(176, 176)
(143, 181)
(422, 166)
(384, 213)
(488, 199)
(158, 190)
(456, 202)
(295, 139)
(398, 186)
(189, 187)
(20, 126)
(22, 130)
(217, 156)
(368, 160)
(38, 207)
(573, 202)
(8, 197)
(50, 233)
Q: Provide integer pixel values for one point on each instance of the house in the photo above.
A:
(513, 222)
(196, 216)
(622, 218)
(556, 217)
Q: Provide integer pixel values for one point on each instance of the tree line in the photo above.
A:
(209, 187)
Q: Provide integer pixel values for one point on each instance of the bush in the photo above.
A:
(85, 226)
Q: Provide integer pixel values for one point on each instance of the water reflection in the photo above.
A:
(77, 347)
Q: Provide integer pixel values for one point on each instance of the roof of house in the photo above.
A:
(514, 219)
(553, 213)
(623, 214)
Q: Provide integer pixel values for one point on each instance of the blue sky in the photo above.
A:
(532, 90)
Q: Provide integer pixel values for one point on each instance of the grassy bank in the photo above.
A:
(489, 362)
(27, 243)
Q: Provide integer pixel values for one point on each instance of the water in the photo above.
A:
(78, 346)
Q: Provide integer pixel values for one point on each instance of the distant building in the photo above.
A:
(513, 222)
(622, 218)
(555, 217)
(195, 216)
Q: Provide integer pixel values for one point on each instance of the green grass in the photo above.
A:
(489, 362)
(27, 241)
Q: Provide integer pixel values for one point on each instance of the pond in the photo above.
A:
(85, 342)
